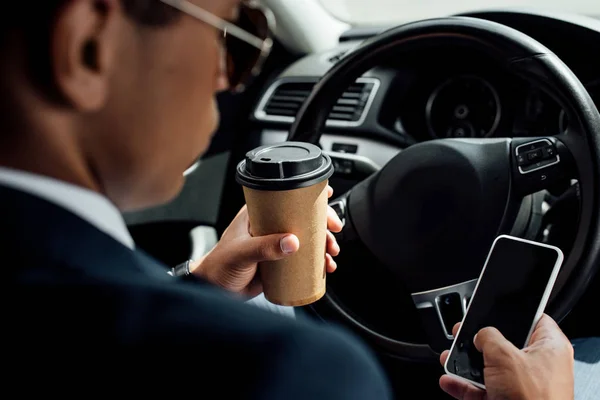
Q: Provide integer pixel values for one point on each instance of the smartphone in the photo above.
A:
(510, 295)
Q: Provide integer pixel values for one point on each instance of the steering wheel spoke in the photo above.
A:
(440, 309)
(340, 206)
(541, 163)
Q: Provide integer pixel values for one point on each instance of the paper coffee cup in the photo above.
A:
(285, 186)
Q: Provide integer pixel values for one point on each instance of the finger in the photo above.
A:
(330, 264)
(493, 344)
(254, 288)
(455, 329)
(459, 389)
(267, 248)
(243, 210)
(444, 357)
(334, 223)
(333, 248)
(329, 191)
(242, 216)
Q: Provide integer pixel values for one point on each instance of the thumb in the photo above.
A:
(268, 248)
(548, 329)
(547, 334)
(493, 344)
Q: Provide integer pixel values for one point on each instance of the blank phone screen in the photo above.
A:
(507, 297)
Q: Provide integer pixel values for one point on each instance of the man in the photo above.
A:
(104, 104)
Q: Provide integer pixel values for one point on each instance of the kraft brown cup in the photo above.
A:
(298, 279)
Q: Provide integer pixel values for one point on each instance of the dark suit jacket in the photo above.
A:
(85, 314)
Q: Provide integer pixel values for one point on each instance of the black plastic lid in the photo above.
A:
(284, 166)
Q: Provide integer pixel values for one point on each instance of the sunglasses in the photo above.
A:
(247, 42)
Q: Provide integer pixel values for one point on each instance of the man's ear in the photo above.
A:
(83, 48)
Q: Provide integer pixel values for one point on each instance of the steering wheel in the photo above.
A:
(438, 247)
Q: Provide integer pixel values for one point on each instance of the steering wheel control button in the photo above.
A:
(536, 155)
(451, 310)
(538, 144)
(537, 166)
(284, 166)
(549, 151)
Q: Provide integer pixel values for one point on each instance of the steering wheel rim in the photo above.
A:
(528, 59)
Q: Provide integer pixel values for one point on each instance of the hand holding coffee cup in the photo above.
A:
(286, 190)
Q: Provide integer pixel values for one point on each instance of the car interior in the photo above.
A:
(447, 127)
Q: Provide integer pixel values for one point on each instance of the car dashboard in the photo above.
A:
(446, 92)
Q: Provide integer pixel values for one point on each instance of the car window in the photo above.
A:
(364, 12)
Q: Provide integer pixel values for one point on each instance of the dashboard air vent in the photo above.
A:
(283, 101)
(287, 98)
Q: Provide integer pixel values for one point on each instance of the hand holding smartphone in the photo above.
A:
(511, 295)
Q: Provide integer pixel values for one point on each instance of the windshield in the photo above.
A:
(367, 12)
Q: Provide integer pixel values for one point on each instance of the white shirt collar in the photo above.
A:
(86, 204)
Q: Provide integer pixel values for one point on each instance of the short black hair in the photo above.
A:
(35, 25)
(22, 15)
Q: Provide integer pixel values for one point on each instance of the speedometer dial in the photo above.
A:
(466, 106)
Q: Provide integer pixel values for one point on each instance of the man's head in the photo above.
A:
(116, 95)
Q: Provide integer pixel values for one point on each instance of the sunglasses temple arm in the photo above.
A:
(227, 27)
(234, 30)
